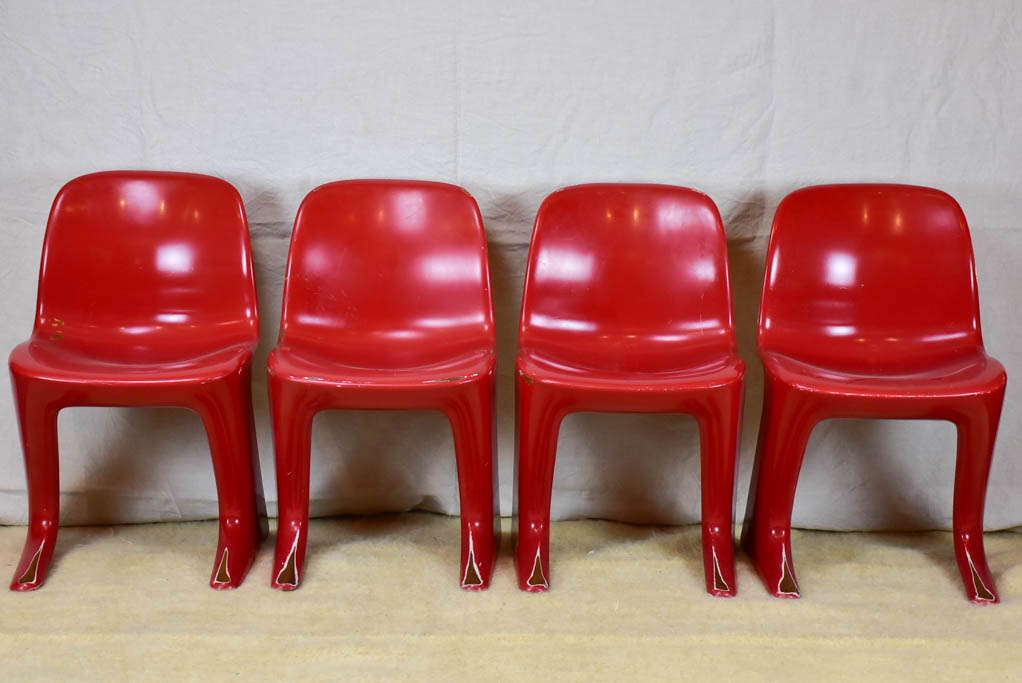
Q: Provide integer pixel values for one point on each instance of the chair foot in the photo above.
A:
(288, 558)
(532, 578)
(477, 567)
(235, 553)
(972, 564)
(771, 554)
(720, 569)
(35, 560)
(471, 580)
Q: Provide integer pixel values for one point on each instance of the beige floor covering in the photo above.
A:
(380, 601)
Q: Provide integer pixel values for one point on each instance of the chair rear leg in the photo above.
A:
(37, 422)
(719, 428)
(784, 430)
(976, 433)
(535, 451)
(292, 445)
(226, 412)
(472, 423)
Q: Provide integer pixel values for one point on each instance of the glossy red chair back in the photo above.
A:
(130, 259)
(392, 272)
(870, 276)
(629, 301)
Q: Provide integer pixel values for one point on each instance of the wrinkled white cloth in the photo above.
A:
(745, 101)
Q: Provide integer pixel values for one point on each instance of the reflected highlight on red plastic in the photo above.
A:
(146, 297)
(627, 307)
(870, 310)
(387, 306)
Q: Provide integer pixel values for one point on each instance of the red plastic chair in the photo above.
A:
(387, 306)
(146, 297)
(627, 307)
(869, 310)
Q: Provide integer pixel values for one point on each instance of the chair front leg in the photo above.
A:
(538, 421)
(977, 430)
(226, 412)
(37, 422)
(720, 424)
(788, 418)
(472, 423)
(292, 417)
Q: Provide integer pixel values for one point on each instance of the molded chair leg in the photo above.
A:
(719, 428)
(292, 442)
(976, 432)
(784, 431)
(37, 420)
(471, 420)
(536, 446)
(226, 412)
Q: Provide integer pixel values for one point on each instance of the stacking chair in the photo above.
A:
(869, 310)
(387, 306)
(627, 307)
(146, 297)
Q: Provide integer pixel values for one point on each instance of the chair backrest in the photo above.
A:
(626, 276)
(377, 266)
(131, 258)
(869, 276)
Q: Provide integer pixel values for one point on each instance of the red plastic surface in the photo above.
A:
(627, 307)
(146, 297)
(387, 305)
(870, 310)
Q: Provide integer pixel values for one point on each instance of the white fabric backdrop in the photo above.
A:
(745, 101)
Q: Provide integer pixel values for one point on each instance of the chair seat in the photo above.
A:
(49, 360)
(314, 366)
(709, 372)
(968, 375)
